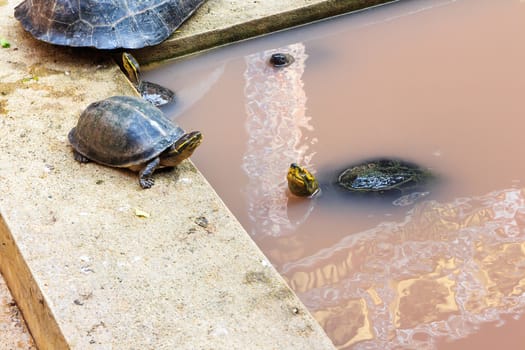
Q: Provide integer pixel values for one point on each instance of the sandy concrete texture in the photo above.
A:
(221, 22)
(88, 270)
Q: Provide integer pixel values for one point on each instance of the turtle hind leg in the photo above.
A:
(146, 174)
(80, 158)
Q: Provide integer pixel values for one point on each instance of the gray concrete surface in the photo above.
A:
(85, 269)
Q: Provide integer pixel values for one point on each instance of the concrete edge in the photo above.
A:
(181, 45)
(25, 290)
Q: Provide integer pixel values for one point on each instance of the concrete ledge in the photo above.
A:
(26, 290)
(85, 269)
(13, 330)
(221, 22)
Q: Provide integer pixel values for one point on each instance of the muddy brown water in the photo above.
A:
(439, 83)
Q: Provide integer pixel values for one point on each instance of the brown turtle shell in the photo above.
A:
(123, 131)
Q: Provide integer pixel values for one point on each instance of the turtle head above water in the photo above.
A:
(301, 182)
(182, 149)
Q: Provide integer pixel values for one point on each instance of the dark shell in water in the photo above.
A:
(156, 94)
(383, 176)
(280, 60)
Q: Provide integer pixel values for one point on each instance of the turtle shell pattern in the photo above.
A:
(123, 131)
(382, 175)
(104, 24)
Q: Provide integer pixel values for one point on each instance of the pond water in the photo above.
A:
(438, 83)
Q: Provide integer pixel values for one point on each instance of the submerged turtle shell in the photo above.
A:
(382, 176)
(123, 131)
(104, 24)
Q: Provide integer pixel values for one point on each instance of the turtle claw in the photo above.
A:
(80, 158)
(146, 182)
(145, 175)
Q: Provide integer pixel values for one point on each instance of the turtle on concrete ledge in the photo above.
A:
(128, 132)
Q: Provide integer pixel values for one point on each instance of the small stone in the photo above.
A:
(48, 168)
(202, 221)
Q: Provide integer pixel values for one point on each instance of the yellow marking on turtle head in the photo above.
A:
(301, 182)
(182, 149)
(132, 68)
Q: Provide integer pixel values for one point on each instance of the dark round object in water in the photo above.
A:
(382, 176)
(156, 94)
(280, 60)
(106, 24)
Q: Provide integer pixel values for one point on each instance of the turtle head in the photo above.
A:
(301, 182)
(131, 68)
(181, 149)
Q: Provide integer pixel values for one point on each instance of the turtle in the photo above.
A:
(128, 132)
(106, 24)
(377, 177)
(154, 93)
(281, 60)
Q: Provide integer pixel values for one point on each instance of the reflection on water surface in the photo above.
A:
(444, 271)
(438, 83)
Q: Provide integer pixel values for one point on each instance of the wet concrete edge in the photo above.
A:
(191, 41)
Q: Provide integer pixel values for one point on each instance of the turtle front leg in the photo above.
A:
(146, 174)
(80, 158)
